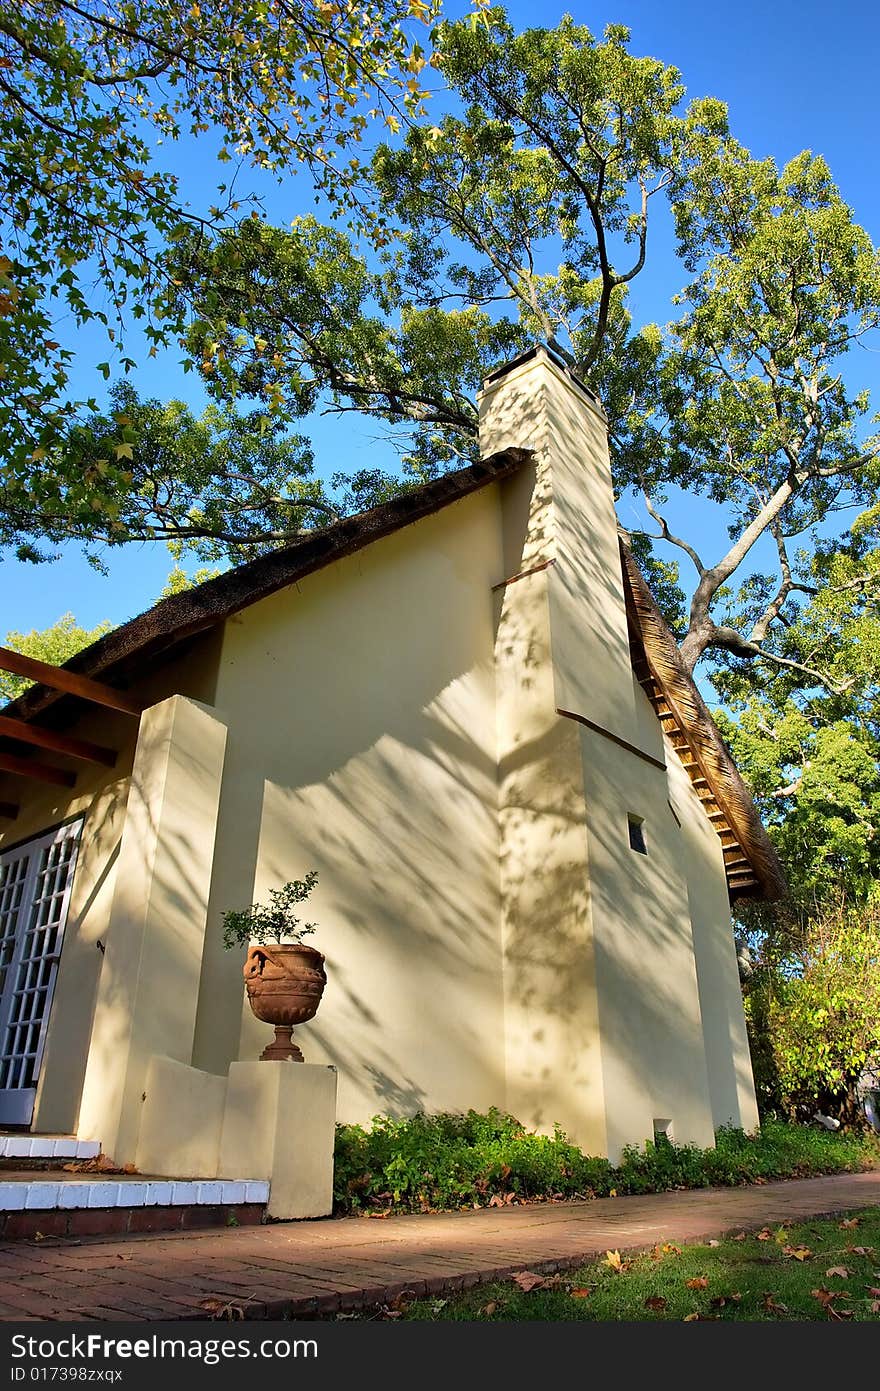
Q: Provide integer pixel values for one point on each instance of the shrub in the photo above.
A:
(431, 1162)
(813, 1011)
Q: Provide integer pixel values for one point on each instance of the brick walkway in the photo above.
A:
(308, 1268)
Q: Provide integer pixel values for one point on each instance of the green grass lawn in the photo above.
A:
(820, 1269)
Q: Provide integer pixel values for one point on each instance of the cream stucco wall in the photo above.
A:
(728, 1062)
(362, 743)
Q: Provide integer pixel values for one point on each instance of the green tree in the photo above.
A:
(812, 752)
(525, 215)
(55, 644)
(86, 86)
(813, 1008)
(219, 483)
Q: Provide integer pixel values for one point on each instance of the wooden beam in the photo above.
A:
(9, 810)
(40, 772)
(60, 679)
(58, 743)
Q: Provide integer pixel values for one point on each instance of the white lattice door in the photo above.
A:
(35, 883)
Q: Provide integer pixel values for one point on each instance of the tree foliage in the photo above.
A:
(221, 482)
(813, 1009)
(54, 644)
(85, 89)
(523, 213)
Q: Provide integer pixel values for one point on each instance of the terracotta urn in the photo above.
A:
(284, 986)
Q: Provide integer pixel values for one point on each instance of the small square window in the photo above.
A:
(637, 834)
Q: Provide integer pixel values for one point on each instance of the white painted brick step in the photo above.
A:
(129, 1192)
(47, 1147)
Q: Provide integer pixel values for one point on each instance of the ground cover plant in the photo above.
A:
(430, 1162)
(821, 1269)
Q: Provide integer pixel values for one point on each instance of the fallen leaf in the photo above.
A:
(496, 1200)
(713, 1243)
(797, 1253)
(218, 1308)
(655, 1301)
(873, 1289)
(838, 1270)
(699, 1282)
(690, 1318)
(824, 1296)
(613, 1259)
(612, 1192)
(39, 1236)
(386, 1213)
(582, 1292)
(773, 1306)
(528, 1280)
(669, 1249)
(875, 1306)
(489, 1309)
(848, 1223)
(765, 1234)
(839, 1314)
(861, 1250)
(740, 1236)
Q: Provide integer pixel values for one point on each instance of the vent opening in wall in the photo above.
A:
(662, 1131)
(637, 834)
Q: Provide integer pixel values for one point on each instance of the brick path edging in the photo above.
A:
(308, 1270)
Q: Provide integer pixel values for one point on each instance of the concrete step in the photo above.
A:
(35, 1206)
(64, 1147)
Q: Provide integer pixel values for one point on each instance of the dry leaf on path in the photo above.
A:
(219, 1308)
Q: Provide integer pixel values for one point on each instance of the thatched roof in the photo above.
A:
(753, 868)
(122, 656)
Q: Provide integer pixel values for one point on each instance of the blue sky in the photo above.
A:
(796, 74)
